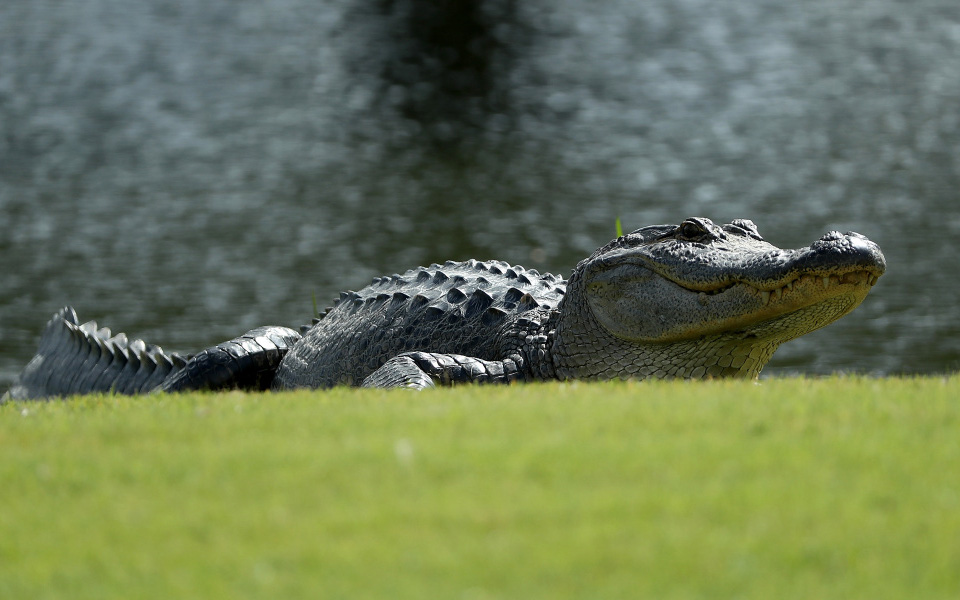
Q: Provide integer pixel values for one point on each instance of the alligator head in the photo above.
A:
(698, 299)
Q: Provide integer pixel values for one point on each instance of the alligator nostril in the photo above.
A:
(860, 243)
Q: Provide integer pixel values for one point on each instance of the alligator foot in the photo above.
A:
(399, 372)
(420, 370)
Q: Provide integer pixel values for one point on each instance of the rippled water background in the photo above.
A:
(184, 170)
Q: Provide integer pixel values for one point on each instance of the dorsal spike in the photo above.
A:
(75, 331)
(146, 358)
(419, 301)
(68, 315)
(493, 316)
(455, 296)
(148, 366)
(123, 384)
(479, 302)
(163, 360)
(513, 295)
(528, 302)
(106, 345)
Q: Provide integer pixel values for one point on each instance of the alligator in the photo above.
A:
(695, 300)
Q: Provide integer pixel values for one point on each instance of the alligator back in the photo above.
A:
(458, 308)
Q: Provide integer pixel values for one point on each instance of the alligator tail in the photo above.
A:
(75, 358)
(247, 362)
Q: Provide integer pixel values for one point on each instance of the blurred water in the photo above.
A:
(185, 170)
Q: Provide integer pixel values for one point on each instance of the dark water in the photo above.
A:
(184, 170)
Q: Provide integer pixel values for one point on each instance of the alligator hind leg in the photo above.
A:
(420, 370)
(247, 362)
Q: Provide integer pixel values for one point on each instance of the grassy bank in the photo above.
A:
(795, 488)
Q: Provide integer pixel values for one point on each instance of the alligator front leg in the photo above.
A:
(420, 370)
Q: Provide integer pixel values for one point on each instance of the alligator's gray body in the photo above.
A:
(692, 300)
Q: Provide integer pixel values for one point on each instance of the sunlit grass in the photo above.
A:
(796, 488)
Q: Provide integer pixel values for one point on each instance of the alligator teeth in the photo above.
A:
(828, 281)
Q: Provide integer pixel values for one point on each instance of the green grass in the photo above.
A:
(796, 488)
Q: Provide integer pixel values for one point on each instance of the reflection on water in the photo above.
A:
(187, 170)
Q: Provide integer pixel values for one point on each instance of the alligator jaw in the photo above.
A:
(744, 308)
(805, 285)
(820, 299)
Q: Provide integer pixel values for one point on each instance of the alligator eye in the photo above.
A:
(691, 229)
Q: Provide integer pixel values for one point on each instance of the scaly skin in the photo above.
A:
(486, 311)
(693, 300)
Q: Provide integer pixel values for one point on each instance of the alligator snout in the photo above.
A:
(850, 250)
